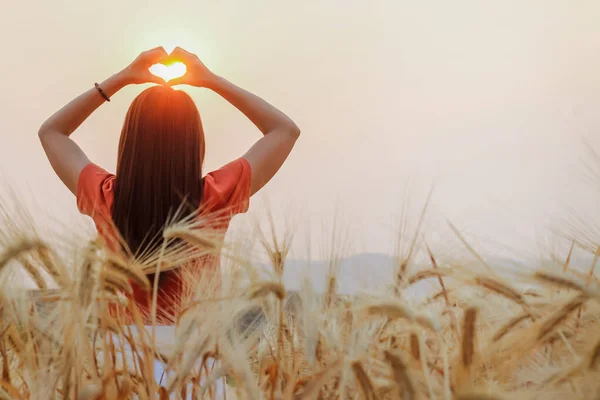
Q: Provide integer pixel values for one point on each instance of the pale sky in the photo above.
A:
(490, 100)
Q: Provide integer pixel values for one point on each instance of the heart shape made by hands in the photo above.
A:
(168, 71)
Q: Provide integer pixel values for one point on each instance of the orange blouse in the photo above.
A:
(226, 193)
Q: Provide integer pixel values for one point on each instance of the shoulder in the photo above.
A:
(95, 190)
(228, 187)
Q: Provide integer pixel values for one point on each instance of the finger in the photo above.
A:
(153, 56)
(180, 54)
(159, 54)
(180, 50)
(158, 49)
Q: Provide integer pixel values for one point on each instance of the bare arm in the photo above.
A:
(268, 154)
(65, 156)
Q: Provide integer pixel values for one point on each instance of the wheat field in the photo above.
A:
(484, 333)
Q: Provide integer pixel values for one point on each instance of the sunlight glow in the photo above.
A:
(168, 72)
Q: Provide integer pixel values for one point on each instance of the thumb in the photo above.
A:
(177, 81)
(156, 79)
(151, 78)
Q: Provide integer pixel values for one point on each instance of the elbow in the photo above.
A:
(287, 131)
(45, 132)
(294, 131)
(42, 135)
(42, 132)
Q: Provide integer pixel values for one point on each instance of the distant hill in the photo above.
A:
(358, 272)
(370, 271)
(361, 271)
(365, 271)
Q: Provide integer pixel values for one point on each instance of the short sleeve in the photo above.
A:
(228, 188)
(94, 191)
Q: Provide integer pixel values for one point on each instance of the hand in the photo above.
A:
(137, 72)
(196, 72)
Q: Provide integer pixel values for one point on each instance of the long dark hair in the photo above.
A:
(159, 167)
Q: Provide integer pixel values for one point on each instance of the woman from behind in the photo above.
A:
(160, 163)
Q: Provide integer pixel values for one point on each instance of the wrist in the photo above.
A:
(212, 82)
(113, 84)
(122, 78)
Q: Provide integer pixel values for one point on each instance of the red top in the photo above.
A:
(226, 193)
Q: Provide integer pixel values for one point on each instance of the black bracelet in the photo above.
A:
(101, 92)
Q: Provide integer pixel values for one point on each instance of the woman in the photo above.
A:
(160, 157)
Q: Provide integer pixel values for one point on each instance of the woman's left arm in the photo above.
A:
(65, 156)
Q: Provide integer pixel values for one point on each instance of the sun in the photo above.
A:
(168, 72)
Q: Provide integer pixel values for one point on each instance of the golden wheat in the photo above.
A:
(66, 343)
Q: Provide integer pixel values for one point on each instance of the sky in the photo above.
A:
(489, 103)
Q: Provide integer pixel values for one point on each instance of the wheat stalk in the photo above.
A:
(404, 383)
(364, 383)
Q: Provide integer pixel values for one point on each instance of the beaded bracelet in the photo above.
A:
(101, 92)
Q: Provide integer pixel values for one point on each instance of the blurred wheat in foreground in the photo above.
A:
(483, 335)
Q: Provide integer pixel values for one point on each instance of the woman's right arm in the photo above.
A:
(65, 156)
(268, 154)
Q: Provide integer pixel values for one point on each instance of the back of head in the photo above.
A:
(159, 167)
